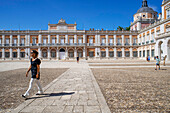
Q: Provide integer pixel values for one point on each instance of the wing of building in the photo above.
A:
(149, 36)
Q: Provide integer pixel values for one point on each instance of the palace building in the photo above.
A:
(149, 35)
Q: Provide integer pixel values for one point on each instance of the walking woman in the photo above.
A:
(35, 71)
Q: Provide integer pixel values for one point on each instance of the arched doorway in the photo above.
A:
(80, 53)
(62, 54)
(53, 53)
(168, 51)
(160, 51)
(71, 53)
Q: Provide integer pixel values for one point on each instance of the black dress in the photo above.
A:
(34, 67)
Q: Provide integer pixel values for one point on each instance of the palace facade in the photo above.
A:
(149, 36)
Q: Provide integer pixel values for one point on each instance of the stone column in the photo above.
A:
(48, 39)
(84, 39)
(131, 53)
(10, 53)
(115, 53)
(75, 53)
(122, 41)
(39, 51)
(40, 39)
(29, 51)
(123, 52)
(49, 54)
(10, 40)
(75, 39)
(18, 53)
(131, 40)
(3, 53)
(66, 39)
(57, 39)
(96, 52)
(19, 40)
(107, 52)
(84, 53)
(114, 40)
(3, 40)
(106, 39)
(66, 53)
(57, 54)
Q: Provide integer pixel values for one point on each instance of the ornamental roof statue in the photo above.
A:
(62, 21)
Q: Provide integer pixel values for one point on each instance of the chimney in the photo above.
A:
(160, 16)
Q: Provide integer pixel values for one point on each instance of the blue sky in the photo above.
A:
(97, 14)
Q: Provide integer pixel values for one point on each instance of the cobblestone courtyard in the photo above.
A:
(92, 87)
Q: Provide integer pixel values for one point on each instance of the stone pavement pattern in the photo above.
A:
(76, 90)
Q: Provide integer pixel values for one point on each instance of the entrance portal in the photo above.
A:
(62, 54)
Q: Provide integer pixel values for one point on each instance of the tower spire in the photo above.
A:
(144, 3)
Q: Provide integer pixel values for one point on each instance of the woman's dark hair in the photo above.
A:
(36, 53)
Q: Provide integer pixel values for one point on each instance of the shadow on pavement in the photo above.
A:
(50, 95)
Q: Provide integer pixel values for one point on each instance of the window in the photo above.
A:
(119, 53)
(15, 41)
(6, 54)
(53, 40)
(140, 53)
(33, 40)
(53, 53)
(80, 41)
(153, 53)
(22, 40)
(147, 37)
(71, 40)
(134, 41)
(127, 54)
(144, 53)
(91, 41)
(7, 41)
(71, 54)
(148, 53)
(119, 40)
(111, 54)
(0, 54)
(44, 40)
(44, 54)
(14, 54)
(62, 41)
(135, 54)
(103, 40)
(91, 54)
(22, 54)
(127, 40)
(152, 36)
(144, 39)
(111, 41)
(103, 54)
(168, 13)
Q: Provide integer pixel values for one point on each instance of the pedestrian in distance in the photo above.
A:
(35, 71)
(157, 62)
(77, 59)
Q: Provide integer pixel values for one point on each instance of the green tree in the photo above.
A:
(120, 28)
(127, 28)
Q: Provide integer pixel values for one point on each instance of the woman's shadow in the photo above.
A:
(50, 95)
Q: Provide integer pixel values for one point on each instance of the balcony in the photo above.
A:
(103, 44)
(6, 44)
(143, 43)
(14, 45)
(152, 41)
(22, 44)
(119, 44)
(111, 44)
(127, 44)
(147, 42)
(135, 44)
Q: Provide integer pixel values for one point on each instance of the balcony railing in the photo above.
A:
(6, 44)
(111, 44)
(119, 44)
(91, 44)
(103, 44)
(22, 44)
(135, 44)
(127, 44)
(147, 42)
(152, 41)
(14, 44)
